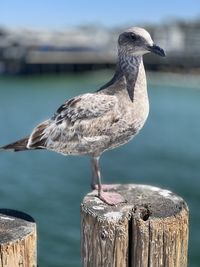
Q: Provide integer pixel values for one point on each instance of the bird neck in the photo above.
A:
(129, 67)
(127, 70)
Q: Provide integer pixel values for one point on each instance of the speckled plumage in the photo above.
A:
(91, 123)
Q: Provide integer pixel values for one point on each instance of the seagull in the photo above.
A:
(92, 123)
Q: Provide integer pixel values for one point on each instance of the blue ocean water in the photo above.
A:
(50, 187)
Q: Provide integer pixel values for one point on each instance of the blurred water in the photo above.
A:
(50, 187)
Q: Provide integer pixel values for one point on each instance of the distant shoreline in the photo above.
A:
(21, 68)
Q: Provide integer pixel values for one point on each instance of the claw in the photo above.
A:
(111, 198)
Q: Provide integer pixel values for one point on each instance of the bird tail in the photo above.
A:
(19, 145)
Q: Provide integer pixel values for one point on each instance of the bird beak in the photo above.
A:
(156, 50)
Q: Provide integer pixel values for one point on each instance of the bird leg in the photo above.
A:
(110, 198)
(94, 182)
(94, 175)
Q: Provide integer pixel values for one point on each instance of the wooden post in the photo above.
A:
(150, 230)
(17, 239)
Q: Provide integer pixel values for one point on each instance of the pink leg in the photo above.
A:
(106, 187)
(111, 198)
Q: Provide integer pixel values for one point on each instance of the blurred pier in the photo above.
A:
(27, 51)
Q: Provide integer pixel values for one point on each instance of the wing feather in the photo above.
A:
(86, 106)
(71, 119)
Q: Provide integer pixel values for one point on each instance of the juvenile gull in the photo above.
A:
(92, 123)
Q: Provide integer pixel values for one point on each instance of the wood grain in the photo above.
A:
(17, 239)
(150, 230)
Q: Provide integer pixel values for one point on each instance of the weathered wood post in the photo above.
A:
(150, 230)
(17, 239)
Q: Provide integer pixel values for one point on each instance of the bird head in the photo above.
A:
(137, 42)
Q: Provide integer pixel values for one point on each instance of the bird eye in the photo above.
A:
(133, 37)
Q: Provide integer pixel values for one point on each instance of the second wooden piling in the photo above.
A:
(17, 239)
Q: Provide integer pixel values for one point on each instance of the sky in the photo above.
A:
(59, 14)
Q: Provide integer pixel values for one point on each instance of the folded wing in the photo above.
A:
(74, 120)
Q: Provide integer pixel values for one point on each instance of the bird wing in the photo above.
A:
(86, 106)
(65, 123)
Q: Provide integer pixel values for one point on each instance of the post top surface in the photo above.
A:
(14, 225)
(147, 201)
